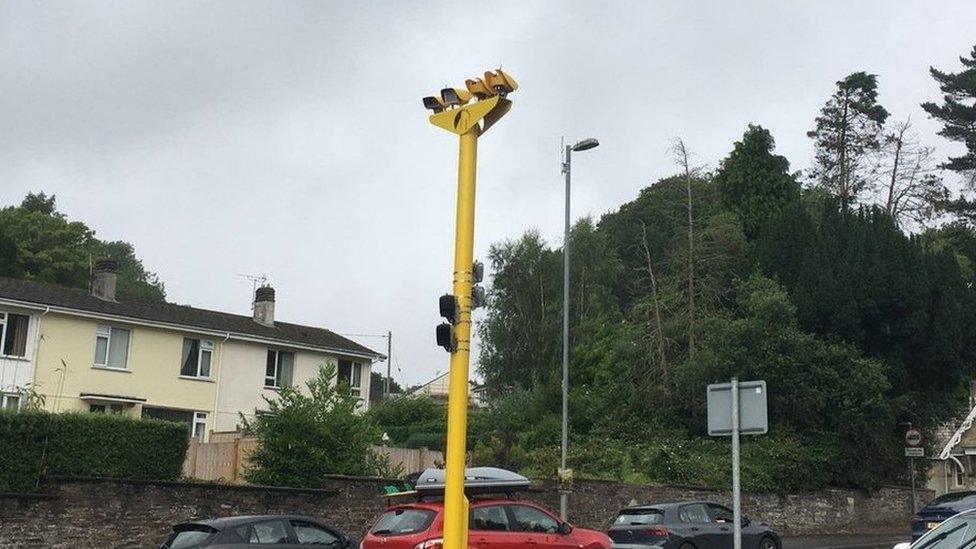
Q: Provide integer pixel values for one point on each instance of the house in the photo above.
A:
(88, 351)
(954, 463)
(439, 389)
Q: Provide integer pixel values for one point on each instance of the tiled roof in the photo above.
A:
(169, 313)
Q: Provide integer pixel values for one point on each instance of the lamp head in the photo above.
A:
(585, 144)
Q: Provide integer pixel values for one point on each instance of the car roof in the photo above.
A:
(437, 505)
(222, 523)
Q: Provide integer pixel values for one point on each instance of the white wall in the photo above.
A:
(240, 385)
(17, 374)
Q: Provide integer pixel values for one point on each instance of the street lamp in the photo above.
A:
(582, 145)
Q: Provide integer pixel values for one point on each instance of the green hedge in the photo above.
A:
(34, 445)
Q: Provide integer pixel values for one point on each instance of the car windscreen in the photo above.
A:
(403, 521)
(639, 517)
(955, 533)
(188, 536)
(957, 499)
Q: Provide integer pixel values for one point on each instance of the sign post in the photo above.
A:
(737, 408)
(914, 449)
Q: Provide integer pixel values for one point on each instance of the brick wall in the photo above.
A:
(109, 513)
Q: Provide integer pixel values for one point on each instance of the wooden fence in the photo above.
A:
(225, 456)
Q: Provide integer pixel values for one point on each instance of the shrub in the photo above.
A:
(40, 444)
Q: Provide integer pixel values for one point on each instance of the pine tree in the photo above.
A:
(958, 113)
(847, 133)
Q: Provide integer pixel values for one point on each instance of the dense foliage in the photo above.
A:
(305, 435)
(857, 326)
(41, 444)
(39, 243)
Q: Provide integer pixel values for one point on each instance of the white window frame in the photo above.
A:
(7, 397)
(276, 379)
(3, 334)
(105, 331)
(205, 346)
(356, 385)
(199, 420)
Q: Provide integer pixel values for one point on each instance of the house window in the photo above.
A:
(101, 409)
(200, 426)
(278, 370)
(112, 347)
(13, 334)
(351, 373)
(11, 402)
(197, 356)
(959, 477)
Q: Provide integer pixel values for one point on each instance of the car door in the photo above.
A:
(309, 533)
(489, 528)
(722, 531)
(697, 527)
(536, 527)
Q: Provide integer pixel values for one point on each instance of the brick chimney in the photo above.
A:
(264, 306)
(104, 278)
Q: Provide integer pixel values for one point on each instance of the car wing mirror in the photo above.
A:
(905, 545)
(565, 528)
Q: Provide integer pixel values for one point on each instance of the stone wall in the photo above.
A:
(112, 513)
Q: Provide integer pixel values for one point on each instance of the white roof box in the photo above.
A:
(477, 480)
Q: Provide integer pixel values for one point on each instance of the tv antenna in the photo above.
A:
(256, 280)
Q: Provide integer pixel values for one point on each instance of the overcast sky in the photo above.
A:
(288, 138)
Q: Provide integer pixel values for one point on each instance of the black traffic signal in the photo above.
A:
(448, 306)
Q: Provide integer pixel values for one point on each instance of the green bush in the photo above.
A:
(41, 444)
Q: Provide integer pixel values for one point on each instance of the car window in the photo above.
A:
(270, 532)
(312, 534)
(188, 537)
(403, 521)
(720, 513)
(956, 499)
(530, 519)
(694, 514)
(490, 517)
(635, 518)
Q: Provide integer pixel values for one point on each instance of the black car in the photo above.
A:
(279, 531)
(686, 525)
(940, 509)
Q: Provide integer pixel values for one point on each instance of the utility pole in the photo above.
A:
(389, 360)
(454, 113)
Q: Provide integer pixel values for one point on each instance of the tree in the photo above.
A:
(848, 131)
(682, 157)
(47, 247)
(377, 383)
(911, 191)
(958, 113)
(754, 183)
(304, 436)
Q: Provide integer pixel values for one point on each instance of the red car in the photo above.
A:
(493, 524)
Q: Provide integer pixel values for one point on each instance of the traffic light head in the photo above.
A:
(478, 298)
(455, 97)
(477, 272)
(445, 337)
(500, 82)
(434, 103)
(478, 88)
(449, 308)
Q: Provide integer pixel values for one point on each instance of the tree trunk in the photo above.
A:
(662, 357)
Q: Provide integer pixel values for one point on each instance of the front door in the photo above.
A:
(489, 528)
(697, 526)
(537, 527)
(724, 521)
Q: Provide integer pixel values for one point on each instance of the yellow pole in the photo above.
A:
(455, 503)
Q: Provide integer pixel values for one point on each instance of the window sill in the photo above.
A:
(269, 388)
(196, 378)
(17, 358)
(107, 369)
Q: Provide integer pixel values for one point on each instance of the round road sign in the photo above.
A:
(913, 438)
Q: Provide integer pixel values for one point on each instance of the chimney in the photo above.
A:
(264, 305)
(104, 278)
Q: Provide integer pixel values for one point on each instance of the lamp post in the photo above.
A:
(582, 145)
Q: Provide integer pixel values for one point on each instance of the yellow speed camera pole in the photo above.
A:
(455, 112)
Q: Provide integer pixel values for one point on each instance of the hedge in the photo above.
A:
(34, 445)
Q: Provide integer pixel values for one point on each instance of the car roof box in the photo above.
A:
(477, 480)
